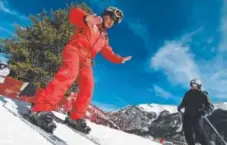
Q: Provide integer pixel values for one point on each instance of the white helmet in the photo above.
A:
(196, 82)
(3, 64)
(115, 13)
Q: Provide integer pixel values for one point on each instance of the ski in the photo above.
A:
(87, 136)
(53, 139)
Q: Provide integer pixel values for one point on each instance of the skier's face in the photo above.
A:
(195, 87)
(107, 21)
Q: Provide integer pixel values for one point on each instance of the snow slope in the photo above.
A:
(14, 131)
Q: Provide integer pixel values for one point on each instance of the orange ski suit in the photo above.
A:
(77, 55)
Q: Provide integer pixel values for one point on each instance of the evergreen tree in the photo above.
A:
(36, 49)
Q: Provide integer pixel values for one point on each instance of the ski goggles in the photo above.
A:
(194, 85)
(2, 66)
(116, 15)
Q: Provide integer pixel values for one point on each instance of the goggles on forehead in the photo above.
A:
(194, 85)
(118, 15)
(2, 66)
(115, 14)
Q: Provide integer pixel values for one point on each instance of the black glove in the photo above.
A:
(210, 108)
(206, 110)
(203, 112)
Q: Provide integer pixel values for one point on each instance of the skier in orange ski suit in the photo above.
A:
(90, 38)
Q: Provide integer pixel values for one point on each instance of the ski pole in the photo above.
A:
(215, 129)
(180, 117)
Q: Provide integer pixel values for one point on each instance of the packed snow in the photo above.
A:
(14, 131)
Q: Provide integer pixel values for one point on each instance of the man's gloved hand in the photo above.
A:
(210, 109)
(206, 110)
(203, 112)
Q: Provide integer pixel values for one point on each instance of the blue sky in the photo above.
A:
(171, 42)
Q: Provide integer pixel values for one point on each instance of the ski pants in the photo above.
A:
(73, 68)
(194, 125)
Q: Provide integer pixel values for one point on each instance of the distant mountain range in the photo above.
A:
(160, 121)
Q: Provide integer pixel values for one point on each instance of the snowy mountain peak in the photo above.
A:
(222, 105)
(158, 120)
(157, 108)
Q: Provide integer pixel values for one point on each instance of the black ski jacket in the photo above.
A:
(195, 103)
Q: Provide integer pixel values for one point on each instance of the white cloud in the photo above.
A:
(140, 29)
(4, 7)
(6, 30)
(178, 64)
(162, 93)
(215, 76)
(216, 70)
(223, 29)
(120, 100)
(187, 37)
(175, 59)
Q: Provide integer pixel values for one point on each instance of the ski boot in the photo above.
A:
(44, 120)
(79, 125)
